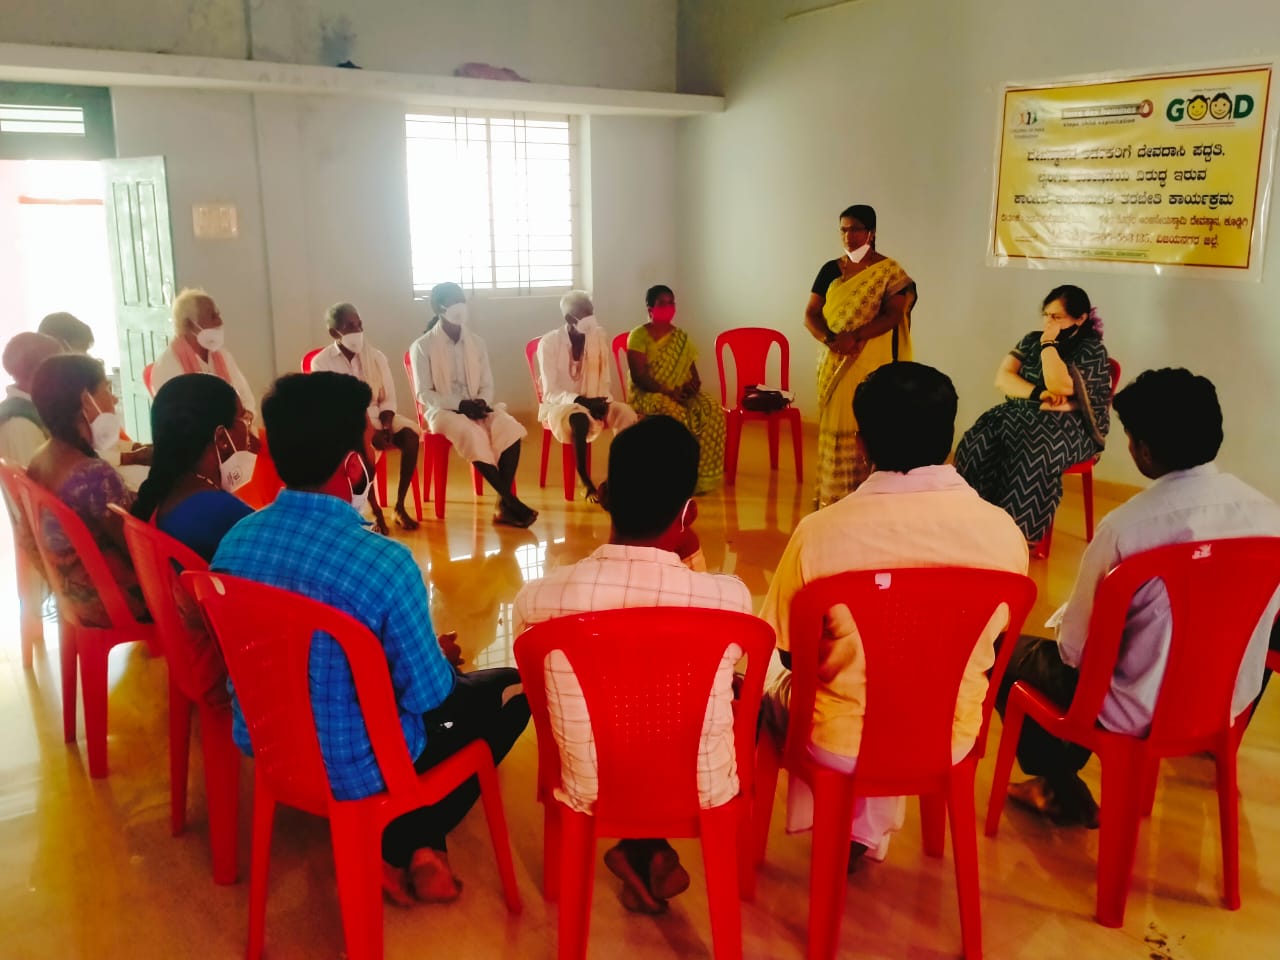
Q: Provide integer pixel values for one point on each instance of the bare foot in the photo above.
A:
(405, 521)
(667, 878)
(395, 886)
(635, 893)
(432, 879)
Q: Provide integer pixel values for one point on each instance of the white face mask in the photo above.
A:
(353, 341)
(105, 428)
(457, 314)
(361, 499)
(857, 255)
(210, 338)
(237, 469)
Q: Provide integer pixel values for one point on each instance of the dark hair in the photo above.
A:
(333, 316)
(653, 293)
(864, 213)
(1175, 413)
(1076, 302)
(906, 415)
(314, 421)
(56, 390)
(441, 290)
(186, 413)
(68, 328)
(653, 468)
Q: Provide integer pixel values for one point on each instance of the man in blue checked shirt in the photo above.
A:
(313, 541)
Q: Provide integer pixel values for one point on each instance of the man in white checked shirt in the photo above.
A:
(653, 467)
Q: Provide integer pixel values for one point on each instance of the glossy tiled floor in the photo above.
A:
(88, 868)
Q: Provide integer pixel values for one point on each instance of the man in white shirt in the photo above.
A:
(1174, 425)
(351, 354)
(573, 369)
(21, 430)
(914, 510)
(653, 468)
(454, 384)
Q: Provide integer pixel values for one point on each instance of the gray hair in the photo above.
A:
(335, 313)
(572, 299)
(186, 308)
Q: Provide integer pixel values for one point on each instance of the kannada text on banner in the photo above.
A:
(1157, 170)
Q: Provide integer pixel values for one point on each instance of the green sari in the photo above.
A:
(852, 302)
(671, 361)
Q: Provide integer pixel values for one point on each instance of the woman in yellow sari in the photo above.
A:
(860, 310)
(664, 380)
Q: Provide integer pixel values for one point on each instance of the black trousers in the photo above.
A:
(472, 712)
(1036, 662)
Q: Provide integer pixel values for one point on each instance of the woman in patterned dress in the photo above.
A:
(860, 310)
(1057, 387)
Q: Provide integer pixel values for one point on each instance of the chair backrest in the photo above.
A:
(1218, 592)
(1114, 366)
(308, 357)
(146, 378)
(750, 348)
(413, 385)
(11, 477)
(158, 559)
(918, 628)
(38, 503)
(531, 356)
(646, 674)
(266, 634)
(620, 360)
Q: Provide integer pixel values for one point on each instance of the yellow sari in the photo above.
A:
(853, 302)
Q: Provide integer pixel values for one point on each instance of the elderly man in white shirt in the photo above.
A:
(350, 353)
(454, 383)
(198, 347)
(573, 367)
(653, 469)
(1174, 425)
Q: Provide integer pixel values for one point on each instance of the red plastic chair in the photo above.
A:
(146, 378)
(646, 674)
(435, 454)
(750, 348)
(620, 360)
(1218, 591)
(194, 666)
(29, 570)
(82, 646)
(906, 619)
(1273, 661)
(1085, 469)
(266, 635)
(568, 462)
(380, 456)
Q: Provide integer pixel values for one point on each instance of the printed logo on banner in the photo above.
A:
(1221, 106)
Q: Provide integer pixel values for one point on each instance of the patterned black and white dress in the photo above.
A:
(1015, 454)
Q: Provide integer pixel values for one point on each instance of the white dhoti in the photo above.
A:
(555, 417)
(478, 441)
(398, 423)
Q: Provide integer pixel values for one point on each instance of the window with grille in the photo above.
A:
(41, 121)
(491, 201)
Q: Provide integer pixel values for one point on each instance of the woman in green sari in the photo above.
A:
(860, 310)
(664, 380)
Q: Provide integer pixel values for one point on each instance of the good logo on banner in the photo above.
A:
(1160, 170)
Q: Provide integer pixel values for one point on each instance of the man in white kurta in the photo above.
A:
(454, 383)
(573, 383)
(351, 354)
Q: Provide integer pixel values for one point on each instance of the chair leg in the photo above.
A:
(546, 457)
(68, 662)
(1014, 714)
(577, 878)
(551, 851)
(733, 440)
(569, 470)
(933, 823)
(380, 476)
(964, 847)
(1086, 480)
(477, 483)
(222, 792)
(797, 443)
(1150, 780)
(1123, 774)
(768, 761)
(773, 426)
(179, 754)
(93, 688)
(356, 855)
(718, 830)
(491, 797)
(264, 810)
(441, 479)
(829, 862)
(1229, 821)
(30, 600)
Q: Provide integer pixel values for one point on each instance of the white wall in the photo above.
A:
(894, 103)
